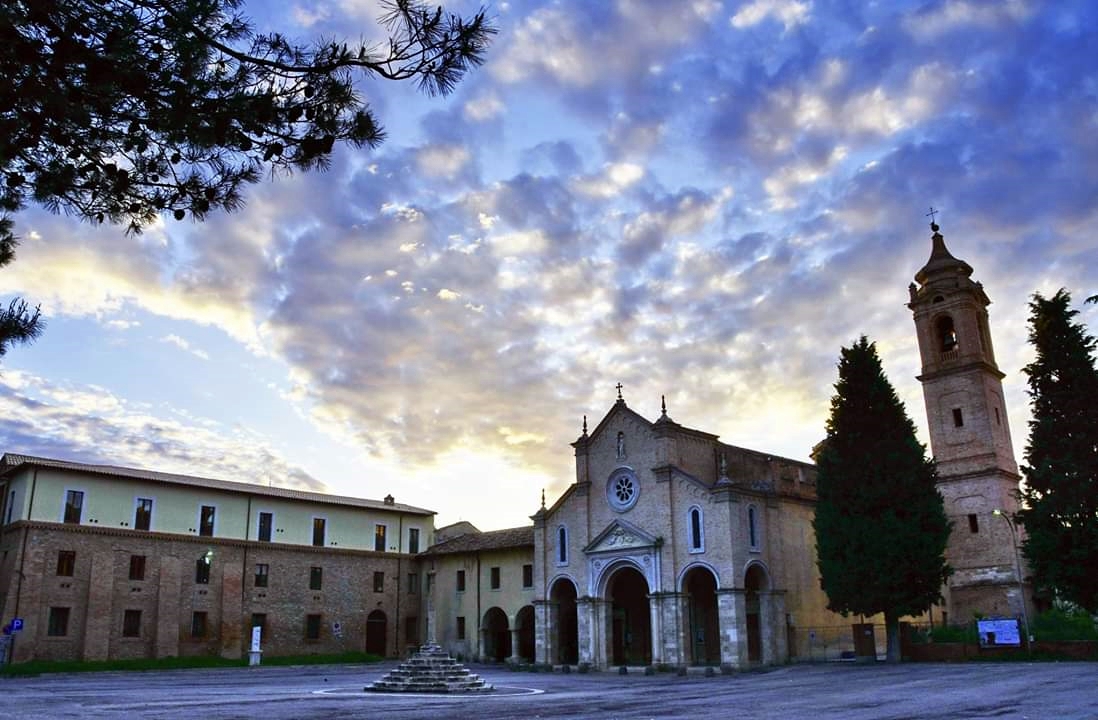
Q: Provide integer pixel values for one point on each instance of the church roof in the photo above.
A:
(941, 262)
(492, 540)
(12, 461)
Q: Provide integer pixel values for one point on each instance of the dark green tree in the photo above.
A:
(1060, 494)
(120, 110)
(881, 528)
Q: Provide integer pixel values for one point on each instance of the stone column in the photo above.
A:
(545, 630)
(515, 657)
(586, 629)
(732, 610)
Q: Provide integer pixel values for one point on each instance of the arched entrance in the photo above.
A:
(631, 622)
(376, 623)
(754, 582)
(566, 625)
(703, 643)
(496, 634)
(524, 624)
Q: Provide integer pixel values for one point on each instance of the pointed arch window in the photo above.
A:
(947, 333)
(695, 529)
(562, 545)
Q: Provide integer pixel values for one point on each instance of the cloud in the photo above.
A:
(789, 13)
(184, 345)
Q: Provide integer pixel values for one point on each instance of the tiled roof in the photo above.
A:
(10, 461)
(492, 540)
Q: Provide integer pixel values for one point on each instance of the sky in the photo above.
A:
(699, 200)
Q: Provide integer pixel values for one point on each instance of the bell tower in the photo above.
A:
(969, 435)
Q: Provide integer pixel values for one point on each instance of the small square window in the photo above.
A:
(312, 627)
(316, 578)
(198, 624)
(493, 575)
(66, 563)
(131, 624)
(461, 581)
(973, 523)
(527, 576)
(379, 581)
(58, 625)
(958, 418)
(137, 567)
(262, 574)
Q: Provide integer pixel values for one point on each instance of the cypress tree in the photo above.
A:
(1060, 495)
(881, 527)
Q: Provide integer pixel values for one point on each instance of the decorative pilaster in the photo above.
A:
(732, 609)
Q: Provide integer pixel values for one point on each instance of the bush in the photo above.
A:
(955, 634)
(1063, 625)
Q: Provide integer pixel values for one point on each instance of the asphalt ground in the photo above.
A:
(1065, 691)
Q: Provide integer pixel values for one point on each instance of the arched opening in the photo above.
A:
(754, 582)
(497, 635)
(524, 623)
(376, 624)
(697, 538)
(947, 334)
(700, 588)
(566, 625)
(631, 623)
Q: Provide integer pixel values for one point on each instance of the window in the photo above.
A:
(316, 578)
(198, 624)
(752, 528)
(697, 538)
(66, 563)
(413, 583)
(142, 514)
(379, 538)
(58, 624)
(947, 334)
(131, 624)
(998, 420)
(493, 578)
(413, 540)
(206, 520)
(266, 520)
(319, 525)
(527, 576)
(74, 506)
(312, 627)
(562, 546)
(622, 489)
(259, 620)
(11, 507)
(958, 418)
(379, 581)
(202, 569)
(461, 581)
(137, 567)
(460, 628)
(973, 523)
(262, 574)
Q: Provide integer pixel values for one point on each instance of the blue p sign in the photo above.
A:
(17, 624)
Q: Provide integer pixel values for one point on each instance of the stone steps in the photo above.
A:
(430, 670)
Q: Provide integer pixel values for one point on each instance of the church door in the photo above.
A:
(704, 634)
(376, 623)
(631, 625)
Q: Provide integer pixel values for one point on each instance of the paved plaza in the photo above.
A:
(853, 692)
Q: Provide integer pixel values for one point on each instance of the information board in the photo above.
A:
(1001, 631)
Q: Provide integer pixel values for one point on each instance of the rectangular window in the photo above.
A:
(413, 583)
(262, 574)
(527, 576)
(202, 569)
(958, 418)
(142, 514)
(259, 620)
(312, 627)
(379, 538)
(58, 625)
(493, 581)
(266, 520)
(413, 540)
(460, 628)
(379, 581)
(998, 420)
(11, 507)
(137, 567)
(66, 563)
(206, 521)
(461, 581)
(131, 624)
(74, 506)
(198, 624)
(973, 523)
(316, 578)
(319, 525)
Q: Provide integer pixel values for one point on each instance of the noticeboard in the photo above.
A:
(998, 632)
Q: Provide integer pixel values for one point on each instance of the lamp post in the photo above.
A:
(1018, 570)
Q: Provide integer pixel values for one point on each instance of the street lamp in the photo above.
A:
(1018, 570)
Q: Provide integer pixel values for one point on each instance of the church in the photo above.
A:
(669, 548)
